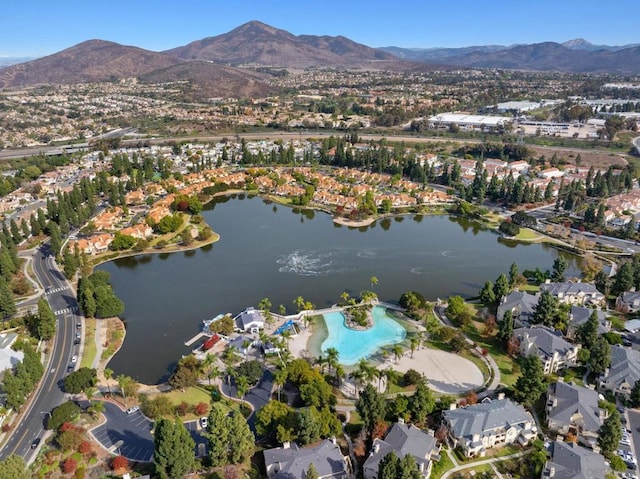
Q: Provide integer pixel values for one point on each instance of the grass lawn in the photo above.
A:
(442, 466)
(89, 347)
(192, 395)
(509, 370)
(527, 234)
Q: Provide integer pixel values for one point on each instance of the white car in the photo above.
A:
(204, 421)
(74, 359)
(132, 409)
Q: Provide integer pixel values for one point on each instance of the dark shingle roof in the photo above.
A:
(403, 439)
(572, 399)
(295, 461)
(571, 461)
(486, 417)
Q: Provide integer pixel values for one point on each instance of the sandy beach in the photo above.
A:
(447, 372)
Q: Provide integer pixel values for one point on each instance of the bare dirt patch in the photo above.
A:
(597, 159)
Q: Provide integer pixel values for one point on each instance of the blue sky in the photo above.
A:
(41, 27)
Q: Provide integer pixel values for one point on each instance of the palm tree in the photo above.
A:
(357, 376)
(279, 379)
(96, 408)
(390, 374)
(413, 344)
(332, 358)
(282, 309)
(286, 336)
(340, 373)
(398, 351)
(299, 302)
(285, 357)
(108, 374)
(90, 392)
(367, 371)
(211, 369)
(345, 297)
(374, 281)
(242, 386)
(229, 372)
(379, 373)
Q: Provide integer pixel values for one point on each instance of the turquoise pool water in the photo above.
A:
(356, 345)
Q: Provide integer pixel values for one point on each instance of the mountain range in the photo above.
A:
(227, 64)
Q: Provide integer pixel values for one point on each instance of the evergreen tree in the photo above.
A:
(634, 397)
(371, 406)
(219, 438)
(15, 232)
(513, 275)
(241, 439)
(501, 287)
(559, 267)
(545, 311)
(13, 467)
(505, 329)
(531, 384)
(487, 296)
(7, 303)
(599, 356)
(609, 434)
(46, 326)
(174, 453)
(388, 466)
(588, 332)
(311, 472)
(306, 426)
(422, 403)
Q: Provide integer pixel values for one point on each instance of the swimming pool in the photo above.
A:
(355, 345)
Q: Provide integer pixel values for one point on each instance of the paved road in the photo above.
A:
(257, 396)
(125, 434)
(49, 395)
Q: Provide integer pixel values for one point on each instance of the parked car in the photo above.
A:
(204, 421)
(74, 359)
(132, 409)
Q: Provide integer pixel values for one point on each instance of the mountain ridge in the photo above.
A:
(256, 44)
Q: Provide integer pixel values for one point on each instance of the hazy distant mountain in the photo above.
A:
(431, 54)
(8, 61)
(578, 57)
(256, 43)
(93, 60)
(582, 44)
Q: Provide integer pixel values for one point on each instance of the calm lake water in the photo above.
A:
(268, 250)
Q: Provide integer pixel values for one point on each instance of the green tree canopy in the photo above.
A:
(610, 433)
(66, 412)
(531, 384)
(174, 449)
(371, 406)
(80, 380)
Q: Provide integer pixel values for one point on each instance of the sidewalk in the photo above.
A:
(471, 465)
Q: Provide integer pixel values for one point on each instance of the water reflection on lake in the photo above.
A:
(272, 251)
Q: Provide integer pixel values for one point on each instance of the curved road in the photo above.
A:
(30, 423)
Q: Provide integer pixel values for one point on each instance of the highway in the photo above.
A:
(49, 394)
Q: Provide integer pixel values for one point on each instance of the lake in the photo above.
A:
(272, 251)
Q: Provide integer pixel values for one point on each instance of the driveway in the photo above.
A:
(257, 396)
(127, 434)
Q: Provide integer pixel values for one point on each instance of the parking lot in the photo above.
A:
(630, 441)
(126, 434)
